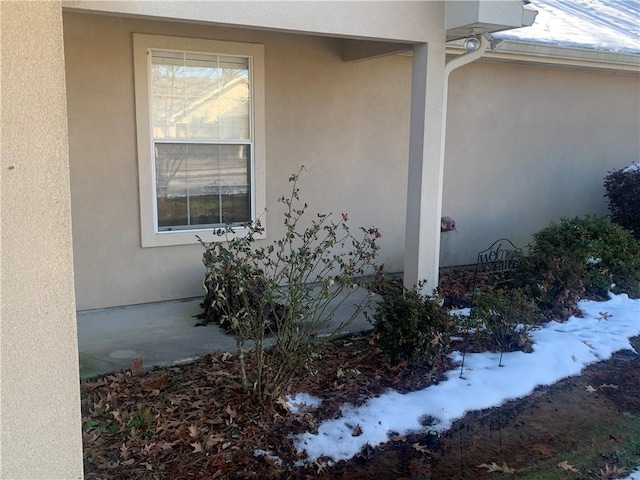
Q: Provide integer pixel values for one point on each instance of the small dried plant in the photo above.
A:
(290, 287)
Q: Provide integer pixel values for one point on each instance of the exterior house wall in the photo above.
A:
(528, 145)
(525, 145)
(348, 123)
(40, 403)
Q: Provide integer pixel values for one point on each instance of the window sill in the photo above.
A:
(189, 237)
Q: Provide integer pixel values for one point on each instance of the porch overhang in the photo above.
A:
(463, 18)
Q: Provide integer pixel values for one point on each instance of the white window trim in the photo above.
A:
(150, 237)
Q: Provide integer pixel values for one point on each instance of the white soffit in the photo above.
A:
(463, 17)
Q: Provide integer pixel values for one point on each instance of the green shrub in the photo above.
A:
(233, 284)
(623, 191)
(504, 318)
(579, 257)
(411, 327)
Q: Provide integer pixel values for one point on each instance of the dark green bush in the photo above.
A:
(579, 257)
(623, 192)
(411, 327)
(504, 317)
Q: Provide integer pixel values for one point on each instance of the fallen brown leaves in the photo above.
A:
(494, 467)
(180, 422)
(566, 466)
(194, 421)
(609, 472)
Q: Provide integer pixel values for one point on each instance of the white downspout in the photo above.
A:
(450, 66)
(461, 61)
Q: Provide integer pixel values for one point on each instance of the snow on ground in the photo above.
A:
(560, 350)
(302, 402)
(635, 475)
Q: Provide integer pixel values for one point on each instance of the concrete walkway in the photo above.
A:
(164, 333)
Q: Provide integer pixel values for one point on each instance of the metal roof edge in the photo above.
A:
(536, 53)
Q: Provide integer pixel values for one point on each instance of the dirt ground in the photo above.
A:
(195, 422)
(593, 414)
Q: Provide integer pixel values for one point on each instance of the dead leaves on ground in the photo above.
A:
(567, 467)
(420, 448)
(609, 386)
(188, 421)
(194, 422)
(604, 386)
(610, 472)
(172, 422)
(494, 467)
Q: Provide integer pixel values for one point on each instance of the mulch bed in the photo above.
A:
(195, 422)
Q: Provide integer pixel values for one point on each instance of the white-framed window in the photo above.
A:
(200, 125)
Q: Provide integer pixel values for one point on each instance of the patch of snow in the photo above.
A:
(634, 167)
(302, 402)
(604, 25)
(460, 312)
(259, 453)
(635, 475)
(560, 350)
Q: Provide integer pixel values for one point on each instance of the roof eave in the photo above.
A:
(558, 55)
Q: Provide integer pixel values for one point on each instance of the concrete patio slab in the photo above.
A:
(164, 333)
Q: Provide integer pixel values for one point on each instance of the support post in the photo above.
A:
(40, 392)
(426, 166)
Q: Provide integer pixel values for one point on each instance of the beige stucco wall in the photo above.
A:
(524, 145)
(527, 145)
(346, 122)
(40, 409)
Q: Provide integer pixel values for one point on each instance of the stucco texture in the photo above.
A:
(528, 145)
(524, 145)
(346, 122)
(40, 409)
